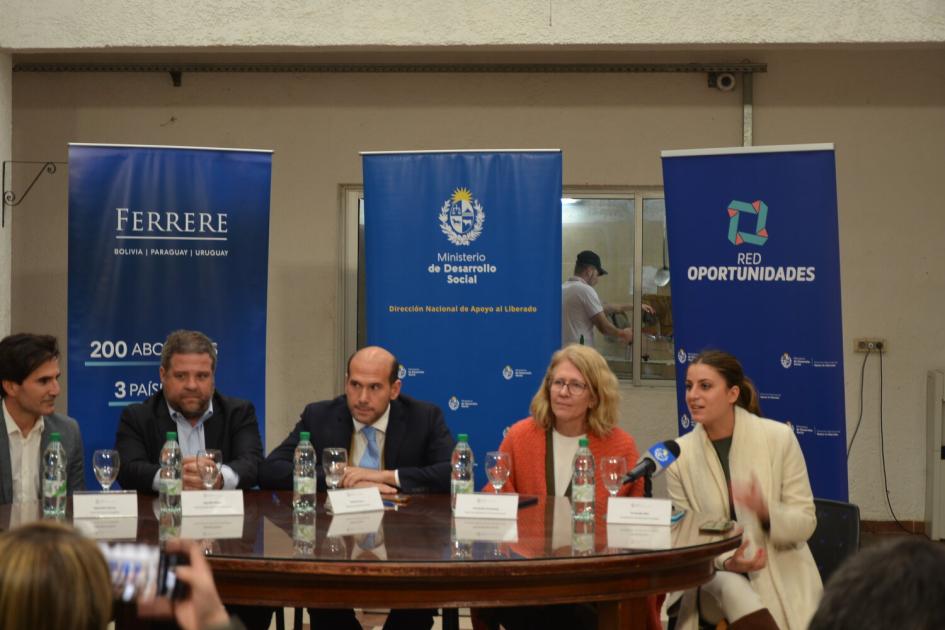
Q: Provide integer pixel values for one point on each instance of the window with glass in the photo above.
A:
(626, 228)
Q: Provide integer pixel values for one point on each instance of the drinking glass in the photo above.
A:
(209, 462)
(498, 468)
(612, 471)
(105, 462)
(334, 461)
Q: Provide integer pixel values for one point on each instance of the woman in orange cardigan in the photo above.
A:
(577, 398)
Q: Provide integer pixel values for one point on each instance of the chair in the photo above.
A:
(837, 535)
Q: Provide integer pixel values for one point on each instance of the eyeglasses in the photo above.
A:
(575, 387)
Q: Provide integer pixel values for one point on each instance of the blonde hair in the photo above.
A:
(602, 387)
(52, 577)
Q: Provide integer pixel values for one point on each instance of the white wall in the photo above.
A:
(6, 233)
(890, 139)
(294, 24)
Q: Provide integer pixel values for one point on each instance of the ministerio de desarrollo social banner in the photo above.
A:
(163, 238)
(463, 254)
(755, 270)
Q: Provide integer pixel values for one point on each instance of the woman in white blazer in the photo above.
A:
(737, 465)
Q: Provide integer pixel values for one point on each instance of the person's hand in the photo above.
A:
(190, 474)
(648, 309)
(355, 475)
(626, 335)
(749, 495)
(739, 563)
(202, 607)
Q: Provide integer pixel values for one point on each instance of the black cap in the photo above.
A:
(587, 257)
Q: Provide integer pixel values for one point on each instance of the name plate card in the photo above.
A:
(211, 503)
(638, 536)
(486, 530)
(354, 524)
(485, 505)
(215, 527)
(635, 511)
(353, 500)
(99, 528)
(115, 504)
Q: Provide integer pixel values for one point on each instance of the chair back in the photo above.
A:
(837, 535)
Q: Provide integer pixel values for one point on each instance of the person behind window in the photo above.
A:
(581, 308)
(737, 464)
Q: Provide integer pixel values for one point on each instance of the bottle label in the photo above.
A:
(582, 493)
(462, 486)
(54, 488)
(171, 486)
(304, 485)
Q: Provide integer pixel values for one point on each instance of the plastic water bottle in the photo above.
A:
(303, 476)
(54, 477)
(582, 483)
(461, 471)
(170, 482)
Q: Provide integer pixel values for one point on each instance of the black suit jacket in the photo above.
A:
(143, 428)
(417, 444)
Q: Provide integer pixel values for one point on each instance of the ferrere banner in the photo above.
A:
(463, 254)
(162, 238)
(755, 271)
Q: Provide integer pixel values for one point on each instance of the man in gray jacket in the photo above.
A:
(29, 385)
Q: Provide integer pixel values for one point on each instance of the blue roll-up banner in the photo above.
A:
(755, 270)
(463, 254)
(163, 238)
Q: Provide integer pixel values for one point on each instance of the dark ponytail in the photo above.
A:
(731, 370)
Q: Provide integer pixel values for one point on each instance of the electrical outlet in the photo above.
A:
(870, 344)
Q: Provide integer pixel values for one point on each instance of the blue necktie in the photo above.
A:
(372, 456)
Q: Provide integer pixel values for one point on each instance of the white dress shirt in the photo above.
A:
(24, 457)
(359, 441)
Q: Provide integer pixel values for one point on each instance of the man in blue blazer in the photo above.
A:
(29, 385)
(395, 443)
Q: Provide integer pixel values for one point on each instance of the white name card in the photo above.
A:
(353, 500)
(486, 529)
(635, 511)
(211, 503)
(117, 504)
(485, 505)
(216, 527)
(638, 536)
(355, 524)
(99, 528)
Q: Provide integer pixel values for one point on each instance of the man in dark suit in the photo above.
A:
(189, 404)
(394, 442)
(29, 385)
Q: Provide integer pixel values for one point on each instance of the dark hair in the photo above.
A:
(895, 585)
(394, 367)
(22, 353)
(731, 370)
(188, 342)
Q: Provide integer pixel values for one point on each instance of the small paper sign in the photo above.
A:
(634, 511)
(217, 527)
(122, 528)
(638, 536)
(113, 504)
(485, 505)
(211, 502)
(354, 524)
(354, 500)
(486, 529)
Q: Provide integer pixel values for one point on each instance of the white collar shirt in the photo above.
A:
(24, 457)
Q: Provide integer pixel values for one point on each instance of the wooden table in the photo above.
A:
(419, 560)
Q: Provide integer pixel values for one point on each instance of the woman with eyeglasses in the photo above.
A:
(578, 398)
(737, 465)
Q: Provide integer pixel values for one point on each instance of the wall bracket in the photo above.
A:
(10, 198)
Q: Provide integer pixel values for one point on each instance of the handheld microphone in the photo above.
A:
(659, 457)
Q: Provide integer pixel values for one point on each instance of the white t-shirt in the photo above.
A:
(564, 449)
(579, 303)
